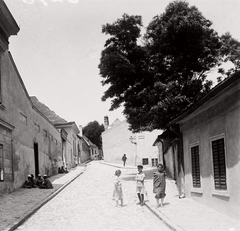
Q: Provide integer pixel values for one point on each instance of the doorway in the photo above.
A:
(36, 160)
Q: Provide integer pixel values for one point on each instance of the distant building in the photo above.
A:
(83, 150)
(68, 131)
(117, 140)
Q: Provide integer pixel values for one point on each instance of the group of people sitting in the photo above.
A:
(40, 182)
(62, 170)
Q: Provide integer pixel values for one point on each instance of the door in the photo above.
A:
(36, 159)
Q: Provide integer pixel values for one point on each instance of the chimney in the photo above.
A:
(80, 130)
(106, 122)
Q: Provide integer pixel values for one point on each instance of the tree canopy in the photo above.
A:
(93, 131)
(158, 75)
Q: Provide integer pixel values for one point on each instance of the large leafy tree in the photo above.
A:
(230, 52)
(157, 76)
(93, 131)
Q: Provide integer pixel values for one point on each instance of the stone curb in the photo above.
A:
(162, 217)
(171, 225)
(43, 203)
(116, 166)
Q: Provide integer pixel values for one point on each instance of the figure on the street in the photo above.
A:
(117, 191)
(140, 188)
(46, 184)
(28, 183)
(159, 184)
(39, 180)
(124, 158)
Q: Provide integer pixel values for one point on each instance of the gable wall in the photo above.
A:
(219, 116)
(116, 142)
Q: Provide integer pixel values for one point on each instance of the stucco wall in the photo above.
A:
(220, 116)
(20, 114)
(116, 143)
(84, 151)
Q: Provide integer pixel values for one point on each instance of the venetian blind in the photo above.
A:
(219, 165)
(195, 167)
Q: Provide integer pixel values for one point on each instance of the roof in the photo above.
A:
(7, 23)
(89, 142)
(51, 115)
(166, 134)
(217, 89)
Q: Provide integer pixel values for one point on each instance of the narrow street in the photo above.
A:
(86, 204)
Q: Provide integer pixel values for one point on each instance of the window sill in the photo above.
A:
(197, 190)
(220, 193)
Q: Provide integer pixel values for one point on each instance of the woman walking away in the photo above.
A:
(140, 185)
(159, 184)
(117, 192)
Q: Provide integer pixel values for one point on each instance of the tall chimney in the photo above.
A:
(80, 130)
(106, 122)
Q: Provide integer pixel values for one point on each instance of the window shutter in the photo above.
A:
(195, 167)
(219, 165)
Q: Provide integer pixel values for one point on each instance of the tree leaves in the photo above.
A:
(160, 78)
(93, 131)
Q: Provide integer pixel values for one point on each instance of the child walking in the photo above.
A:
(117, 192)
(140, 184)
(159, 184)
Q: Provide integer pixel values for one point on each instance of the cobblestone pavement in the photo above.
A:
(17, 206)
(86, 204)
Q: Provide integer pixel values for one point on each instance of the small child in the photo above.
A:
(159, 184)
(117, 192)
(140, 185)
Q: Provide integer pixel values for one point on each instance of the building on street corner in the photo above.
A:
(204, 145)
(29, 142)
(33, 138)
(117, 140)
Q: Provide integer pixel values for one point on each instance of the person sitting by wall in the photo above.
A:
(61, 170)
(39, 180)
(66, 170)
(32, 179)
(28, 183)
(46, 184)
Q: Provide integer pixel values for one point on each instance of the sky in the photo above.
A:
(57, 50)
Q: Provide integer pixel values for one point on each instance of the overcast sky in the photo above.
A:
(58, 47)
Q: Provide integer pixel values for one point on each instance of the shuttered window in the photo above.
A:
(219, 164)
(196, 180)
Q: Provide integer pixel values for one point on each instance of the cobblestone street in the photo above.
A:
(86, 204)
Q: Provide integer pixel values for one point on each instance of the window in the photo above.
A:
(37, 127)
(45, 133)
(196, 180)
(23, 118)
(154, 162)
(1, 164)
(219, 164)
(145, 161)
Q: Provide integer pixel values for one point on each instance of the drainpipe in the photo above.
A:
(164, 164)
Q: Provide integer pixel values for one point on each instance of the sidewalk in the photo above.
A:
(18, 206)
(184, 214)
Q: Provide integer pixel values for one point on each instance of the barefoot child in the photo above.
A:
(159, 184)
(117, 192)
(140, 184)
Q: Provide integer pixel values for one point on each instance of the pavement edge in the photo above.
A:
(171, 225)
(38, 206)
